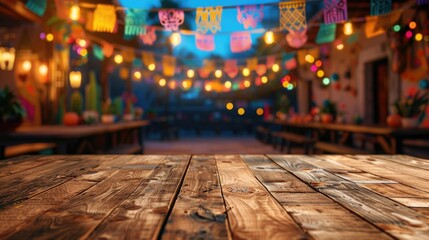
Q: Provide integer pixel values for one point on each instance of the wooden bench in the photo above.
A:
(338, 149)
(28, 148)
(125, 149)
(293, 139)
(263, 134)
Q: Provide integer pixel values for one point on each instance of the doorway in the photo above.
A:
(377, 97)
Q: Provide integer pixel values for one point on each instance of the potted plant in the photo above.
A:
(283, 106)
(11, 111)
(108, 115)
(410, 108)
(130, 99)
(328, 111)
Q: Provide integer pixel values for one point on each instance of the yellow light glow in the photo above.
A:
(81, 42)
(285, 84)
(340, 46)
(83, 52)
(190, 73)
(49, 37)
(276, 67)
(218, 73)
(26, 66)
(208, 87)
(320, 73)
(228, 84)
(309, 58)
(269, 37)
(7, 58)
(172, 84)
(151, 67)
(241, 111)
(318, 63)
(260, 111)
(137, 75)
(229, 106)
(419, 37)
(43, 70)
(118, 59)
(175, 39)
(75, 12)
(348, 28)
(246, 72)
(75, 78)
(412, 25)
(247, 83)
(264, 79)
(162, 82)
(186, 84)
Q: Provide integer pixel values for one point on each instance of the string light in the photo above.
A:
(348, 28)
(75, 78)
(326, 81)
(190, 73)
(137, 75)
(246, 72)
(264, 79)
(285, 84)
(26, 66)
(229, 106)
(397, 28)
(340, 46)
(419, 37)
(43, 70)
(208, 87)
(247, 83)
(269, 37)
(412, 25)
(309, 58)
(260, 111)
(290, 87)
(75, 12)
(49, 37)
(82, 43)
(218, 73)
(320, 73)
(228, 84)
(241, 111)
(172, 84)
(318, 63)
(118, 59)
(151, 67)
(409, 34)
(175, 39)
(186, 84)
(275, 67)
(162, 82)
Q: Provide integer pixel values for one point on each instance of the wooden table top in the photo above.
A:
(214, 197)
(66, 132)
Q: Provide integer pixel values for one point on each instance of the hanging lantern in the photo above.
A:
(175, 39)
(218, 73)
(43, 73)
(246, 72)
(7, 58)
(190, 73)
(26, 66)
(269, 37)
(75, 79)
(75, 12)
(348, 28)
(118, 59)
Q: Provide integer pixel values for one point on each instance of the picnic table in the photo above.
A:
(71, 139)
(214, 197)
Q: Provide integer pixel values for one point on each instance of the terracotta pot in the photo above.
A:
(128, 117)
(394, 120)
(327, 118)
(410, 122)
(71, 119)
(107, 118)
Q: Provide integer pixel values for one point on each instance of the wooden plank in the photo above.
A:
(395, 190)
(199, 211)
(393, 218)
(253, 212)
(413, 202)
(79, 216)
(406, 160)
(330, 165)
(313, 211)
(142, 214)
(411, 181)
(19, 164)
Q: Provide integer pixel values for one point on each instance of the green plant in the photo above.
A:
(76, 102)
(329, 107)
(10, 107)
(412, 106)
(108, 108)
(283, 104)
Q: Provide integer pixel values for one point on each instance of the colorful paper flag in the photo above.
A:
(98, 52)
(376, 25)
(62, 9)
(250, 15)
(231, 68)
(128, 54)
(37, 6)
(108, 49)
(124, 73)
(240, 42)
(326, 33)
(261, 69)
(135, 22)
(149, 37)
(168, 65)
(148, 58)
(205, 42)
(171, 19)
(335, 11)
(296, 39)
(252, 63)
(271, 60)
(379, 7)
(104, 18)
(292, 16)
(208, 19)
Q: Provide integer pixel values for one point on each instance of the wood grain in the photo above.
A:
(142, 214)
(396, 219)
(313, 211)
(253, 212)
(80, 215)
(199, 211)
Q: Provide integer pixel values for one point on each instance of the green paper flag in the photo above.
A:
(37, 6)
(135, 22)
(98, 52)
(326, 33)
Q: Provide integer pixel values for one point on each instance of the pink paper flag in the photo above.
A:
(291, 64)
(149, 37)
(205, 42)
(240, 42)
(231, 68)
(335, 11)
(203, 72)
(261, 69)
(250, 15)
(171, 19)
(271, 60)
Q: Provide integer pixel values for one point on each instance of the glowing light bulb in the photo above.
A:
(326, 81)
(340, 46)
(276, 67)
(412, 25)
(118, 59)
(264, 79)
(397, 28)
(320, 73)
(74, 12)
(285, 84)
(172, 84)
(83, 52)
(269, 37)
(313, 68)
(43, 70)
(175, 39)
(290, 87)
(348, 28)
(186, 84)
(82, 43)
(318, 63)
(241, 111)
(229, 106)
(151, 67)
(137, 75)
(419, 37)
(218, 73)
(208, 87)
(409, 34)
(162, 82)
(190, 73)
(247, 83)
(75, 78)
(259, 111)
(49, 37)
(309, 58)
(26, 66)
(246, 72)
(228, 84)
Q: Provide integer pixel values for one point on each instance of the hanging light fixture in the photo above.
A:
(175, 39)
(7, 58)
(348, 28)
(75, 12)
(75, 78)
(43, 73)
(269, 37)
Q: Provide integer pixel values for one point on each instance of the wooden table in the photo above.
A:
(390, 139)
(68, 139)
(214, 197)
